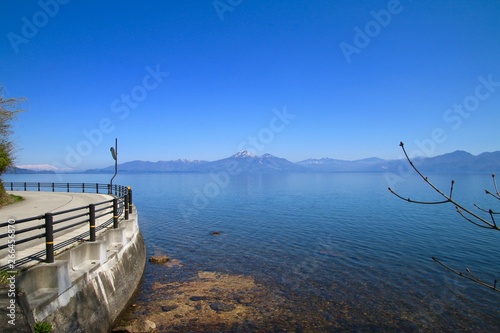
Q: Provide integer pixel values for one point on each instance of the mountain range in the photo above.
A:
(246, 162)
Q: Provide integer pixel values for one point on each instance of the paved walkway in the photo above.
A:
(39, 203)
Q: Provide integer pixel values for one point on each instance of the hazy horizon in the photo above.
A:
(49, 167)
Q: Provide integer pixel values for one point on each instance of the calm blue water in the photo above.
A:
(340, 246)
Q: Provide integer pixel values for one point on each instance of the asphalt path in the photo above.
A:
(39, 203)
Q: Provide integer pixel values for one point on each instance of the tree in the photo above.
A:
(9, 108)
(466, 213)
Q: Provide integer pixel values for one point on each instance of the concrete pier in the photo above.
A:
(87, 286)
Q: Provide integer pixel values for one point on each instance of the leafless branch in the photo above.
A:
(463, 211)
(467, 214)
(489, 211)
(469, 276)
(419, 202)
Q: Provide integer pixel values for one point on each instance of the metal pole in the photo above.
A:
(92, 222)
(130, 209)
(115, 213)
(49, 238)
(125, 203)
(114, 153)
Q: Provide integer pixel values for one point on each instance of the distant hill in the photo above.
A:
(246, 162)
(23, 171)
(160, 166)
(464, 162)
(373, 164)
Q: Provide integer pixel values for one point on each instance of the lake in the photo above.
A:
(333, 251)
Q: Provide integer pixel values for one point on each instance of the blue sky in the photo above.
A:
(203, 79)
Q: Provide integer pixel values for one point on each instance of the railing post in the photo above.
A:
(24, 186)
(11, 186)
(53, 187)
(83, 187)
(130, 209)
(97, 188)
(115, 213)
(67, 185)
(38, 186)
(92, 222)
(125, 204)
(49, 238)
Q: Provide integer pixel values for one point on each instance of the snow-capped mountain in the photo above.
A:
(38, 167)
(243, 161)
(243, 154)
(333, 165)
(248, 162)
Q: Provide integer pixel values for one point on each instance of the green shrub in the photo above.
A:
(43, 327)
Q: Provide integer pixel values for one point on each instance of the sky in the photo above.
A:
(203, 79)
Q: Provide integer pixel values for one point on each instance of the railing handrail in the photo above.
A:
(120, 204)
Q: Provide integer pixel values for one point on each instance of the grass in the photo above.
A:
(42, 327)
(3, 278)
(8, 199)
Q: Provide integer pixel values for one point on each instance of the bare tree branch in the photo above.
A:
(467, 214)
(460, 208)
(469, 276)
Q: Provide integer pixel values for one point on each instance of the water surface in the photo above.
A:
(339, 247)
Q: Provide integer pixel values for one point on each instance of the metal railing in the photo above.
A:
(56, 222)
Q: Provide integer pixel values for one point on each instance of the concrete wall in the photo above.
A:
(87, 287)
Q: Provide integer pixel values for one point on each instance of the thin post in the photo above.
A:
(114, 154)
(67, 185)
(97, 188)
(49, 238)
(115, 213)
(125, 204)
(53, 187)
(130, 209)
(92, 222)
(38, 186)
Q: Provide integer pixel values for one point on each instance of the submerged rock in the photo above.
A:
(215, 302)
(139, 326)
(159, 259)
(222, 307)
(166, 308)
